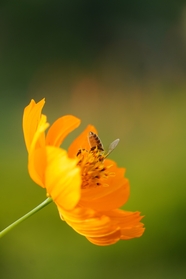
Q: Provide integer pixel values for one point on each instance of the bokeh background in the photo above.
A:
(120, 65)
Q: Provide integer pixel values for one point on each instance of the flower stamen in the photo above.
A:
(93, 170)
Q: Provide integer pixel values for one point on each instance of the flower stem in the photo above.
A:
(33, 211)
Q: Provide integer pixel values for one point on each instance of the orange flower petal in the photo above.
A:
(37, 165)
(129, 223)
(36, 155)
(81, 141)
(62, 178)
(31, 118)
(107, 239)
(109, 197)
(107, 200)
(60, 129)
(128, 226)
(88, 222)
(38, 138)
(105, 228)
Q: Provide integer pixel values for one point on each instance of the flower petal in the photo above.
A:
(129, 227)
(31, 118)
(62, 178)
(37, 154)
(37, 166)
(129, 223)
(60, 129)
(107, 239)
(109, 197)
(105, 228)
(81, 141)
(88, 222)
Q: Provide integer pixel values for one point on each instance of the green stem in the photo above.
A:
(33, 211)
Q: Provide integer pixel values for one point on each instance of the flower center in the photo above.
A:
(93, 171)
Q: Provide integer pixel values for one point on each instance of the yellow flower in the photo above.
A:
(87, 188)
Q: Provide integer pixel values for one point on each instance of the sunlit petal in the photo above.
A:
(37, 166)
(129, 223)
(31, 118)
(88, 222)
(104, 228)
(36, 155)
(108, 197)
(62, 178)
(107, 239)
(60, 129)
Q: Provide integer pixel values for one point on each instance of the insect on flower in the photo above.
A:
(92, 161)
(95, 142)
(96, 147)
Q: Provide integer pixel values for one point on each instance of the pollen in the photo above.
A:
(93, 171)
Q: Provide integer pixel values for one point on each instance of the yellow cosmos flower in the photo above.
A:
(87, 188)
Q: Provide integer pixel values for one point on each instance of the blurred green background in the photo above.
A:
(120, 66)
